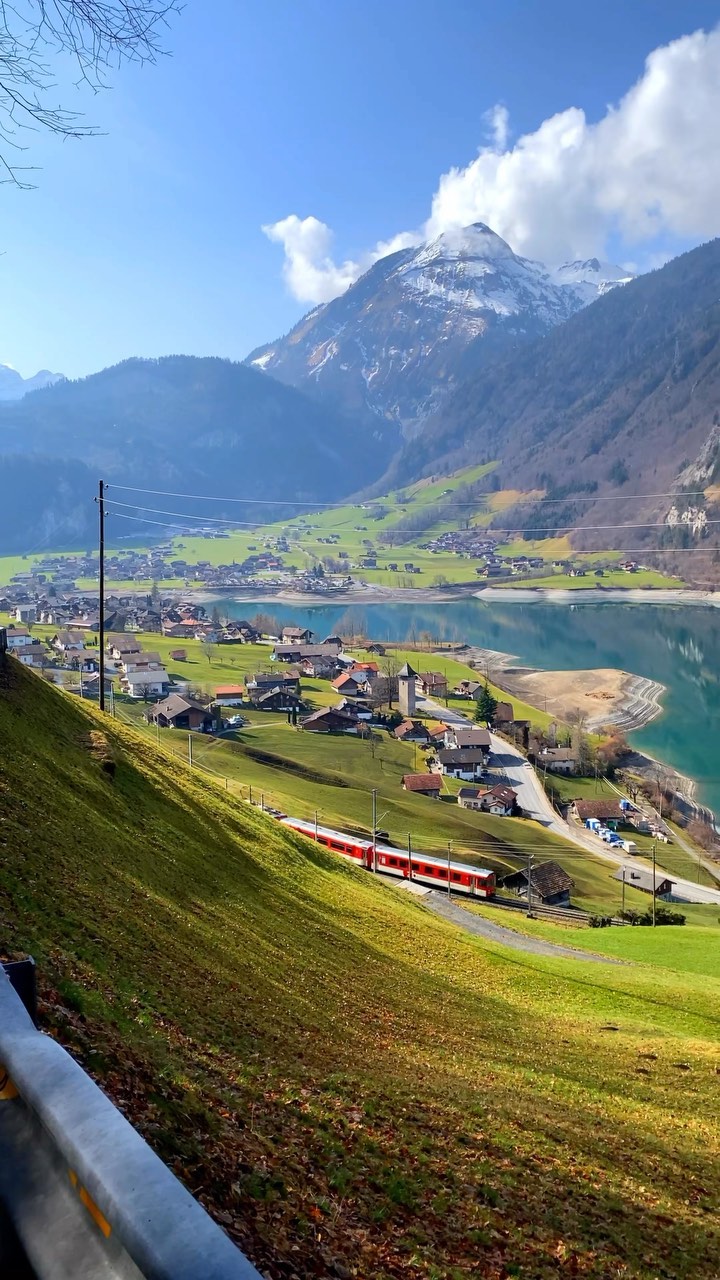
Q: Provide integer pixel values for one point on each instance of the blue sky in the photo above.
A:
(149, 239)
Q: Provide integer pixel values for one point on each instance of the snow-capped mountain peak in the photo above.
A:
(13, 386)
(418, 320)
(590, 277)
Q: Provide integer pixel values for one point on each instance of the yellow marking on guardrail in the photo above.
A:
(96, 1214)
(7, 1088)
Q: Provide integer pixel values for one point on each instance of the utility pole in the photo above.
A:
(101, 512)
(410, 857)
(374, 828)
(449, 853)
(316, 825)
(190, 750)
(653, 865)
(529, 884)
(622, 910)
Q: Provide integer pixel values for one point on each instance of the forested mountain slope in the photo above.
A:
(624, 396)
(193, 425)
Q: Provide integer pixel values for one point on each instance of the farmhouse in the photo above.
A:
(330, 720)
(296, 652)
(558, 759)
(297, 635)
(604, 810)
(177, 712)
(229, 695)
(31, 655)
(423, 784)
(641, 879)
(433, 684)
(549, 884)
(65, 640)
(412, 731)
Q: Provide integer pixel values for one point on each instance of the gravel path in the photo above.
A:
(483, 928)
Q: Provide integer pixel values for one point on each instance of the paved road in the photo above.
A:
(508, 760)
(483, 928)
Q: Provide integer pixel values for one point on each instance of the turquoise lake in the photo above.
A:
(679, 645)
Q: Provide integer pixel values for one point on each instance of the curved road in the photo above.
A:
(533, 800)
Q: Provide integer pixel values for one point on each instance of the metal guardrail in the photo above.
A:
(85, 1195)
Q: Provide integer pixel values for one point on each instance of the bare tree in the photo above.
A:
(97, 35)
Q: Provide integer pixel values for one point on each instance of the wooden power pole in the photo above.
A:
(101, 512)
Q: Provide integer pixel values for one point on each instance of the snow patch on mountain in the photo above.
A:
(404, 333)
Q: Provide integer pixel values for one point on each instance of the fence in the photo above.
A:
(85, 1196)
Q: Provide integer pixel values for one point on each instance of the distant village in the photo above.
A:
(266, 567)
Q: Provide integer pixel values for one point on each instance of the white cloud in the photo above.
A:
(649, 167)
(309, 270)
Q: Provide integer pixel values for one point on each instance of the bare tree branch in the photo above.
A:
(98, 34)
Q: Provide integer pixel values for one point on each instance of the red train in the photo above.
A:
(464, 878)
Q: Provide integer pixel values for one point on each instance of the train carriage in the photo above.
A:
(478, 882)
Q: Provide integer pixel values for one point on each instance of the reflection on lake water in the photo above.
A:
(677, 645)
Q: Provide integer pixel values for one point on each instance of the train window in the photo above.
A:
(456, 875)
(393, 862)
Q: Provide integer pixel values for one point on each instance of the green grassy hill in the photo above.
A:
(353, 1087)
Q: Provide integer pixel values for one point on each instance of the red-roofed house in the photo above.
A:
(229, 695)
(423, 784)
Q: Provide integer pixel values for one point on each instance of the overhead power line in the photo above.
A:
(379, 502)
(598, 551)
(253, 524)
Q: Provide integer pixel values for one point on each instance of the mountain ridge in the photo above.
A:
(404, 334)
(623, 398)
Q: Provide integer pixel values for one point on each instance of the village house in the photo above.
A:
(122, 646)
(275, 699)
(89, 686)
(558, 760)
(146, 683)
(423, 784)
(17, 637)
(296, 652)
(412, 731)
(297, 635)
(65, 640)
(549, 884)
(178, 655)
(331, 720)
(141, 661)
(474, 736)
(262, 681)
(25, 613)
(504, 715)
(469, 763)
(31, 655)
(500, 800)
(177, 712)
(639, 878)
(605, 811)
(229, 695)
(319, 668)
(432, 684)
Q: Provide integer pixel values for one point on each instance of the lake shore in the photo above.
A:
(598, 595)
(376, 594)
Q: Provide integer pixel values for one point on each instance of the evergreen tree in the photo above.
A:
(486, 705)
